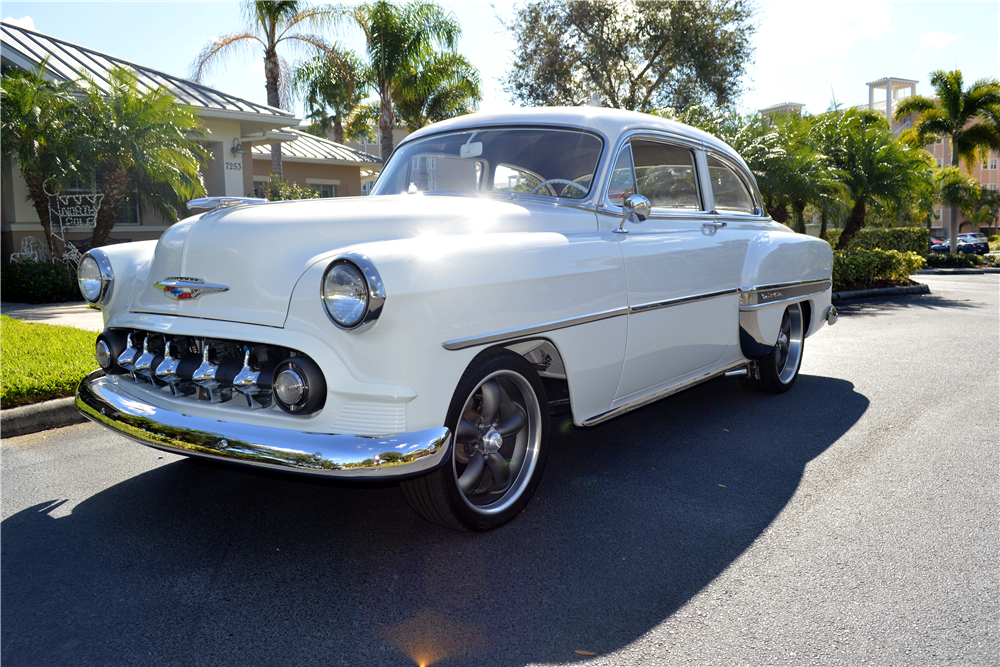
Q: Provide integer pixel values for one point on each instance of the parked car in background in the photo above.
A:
(979, 242)
(964, 245)
(505, 265)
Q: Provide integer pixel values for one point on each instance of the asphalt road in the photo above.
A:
(851, 521)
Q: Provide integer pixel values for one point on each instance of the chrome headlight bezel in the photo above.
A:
(374, 292)
(104, 273)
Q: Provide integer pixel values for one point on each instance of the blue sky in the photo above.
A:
(804, 48)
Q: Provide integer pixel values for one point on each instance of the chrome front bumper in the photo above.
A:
(325, 455)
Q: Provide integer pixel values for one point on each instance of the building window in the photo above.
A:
(129, 212)
(993, 163)
(992, 186)
(937, 214)
(325, 190)
(939, 163)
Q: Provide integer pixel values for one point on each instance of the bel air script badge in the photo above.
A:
(181, 288)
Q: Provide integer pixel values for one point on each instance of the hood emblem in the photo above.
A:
(181, 288)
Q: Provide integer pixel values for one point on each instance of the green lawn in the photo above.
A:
(39, 362)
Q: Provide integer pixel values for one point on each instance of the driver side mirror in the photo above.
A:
(636, 206)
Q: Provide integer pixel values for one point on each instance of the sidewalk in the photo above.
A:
(72, 314)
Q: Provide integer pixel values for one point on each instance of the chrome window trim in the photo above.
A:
(376, 290)
(521, 332)
(656, 305)
(107, 275)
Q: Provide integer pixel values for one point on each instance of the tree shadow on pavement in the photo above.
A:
(188, 564)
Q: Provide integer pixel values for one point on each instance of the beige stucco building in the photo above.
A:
(239, 134)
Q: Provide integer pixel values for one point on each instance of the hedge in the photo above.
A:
(39, 282)
(862, 266)
(903, 239)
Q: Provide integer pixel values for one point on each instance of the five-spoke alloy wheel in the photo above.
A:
(499, 422)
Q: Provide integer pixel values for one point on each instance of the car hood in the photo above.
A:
(259, 252)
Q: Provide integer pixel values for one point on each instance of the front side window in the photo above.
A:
(541, 161)
(663, 173)
(731, 193)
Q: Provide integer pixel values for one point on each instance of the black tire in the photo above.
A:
(491, 475)
(777, 372)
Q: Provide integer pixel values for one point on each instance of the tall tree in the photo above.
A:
(443, 86)
(142, 139)
(637, 55)
(397, 39)
(38, 135)
(268, 24)
(968, 117)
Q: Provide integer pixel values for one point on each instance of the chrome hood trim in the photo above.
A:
(328, 455)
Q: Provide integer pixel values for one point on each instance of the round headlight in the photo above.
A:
(345, 294)
(88, 276)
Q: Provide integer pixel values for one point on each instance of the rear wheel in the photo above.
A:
(499, 423)
(777, 372)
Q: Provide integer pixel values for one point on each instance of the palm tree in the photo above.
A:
(269, 23)
(143, 140)
(397, 39)
(333, 81)
(968, 117)
(874, 167)
(38, 134)
(444, 86)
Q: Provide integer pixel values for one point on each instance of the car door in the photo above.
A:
(682, 271)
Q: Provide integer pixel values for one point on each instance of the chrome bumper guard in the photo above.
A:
(333, 456)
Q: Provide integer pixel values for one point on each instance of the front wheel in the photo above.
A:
(777, 372)
(499, 423)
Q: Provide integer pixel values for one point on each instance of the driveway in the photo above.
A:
(852, 520)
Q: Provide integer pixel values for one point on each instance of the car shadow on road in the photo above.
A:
(884, 306)
(188, 564)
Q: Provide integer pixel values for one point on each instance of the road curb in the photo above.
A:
(880, 291)
(39, 417)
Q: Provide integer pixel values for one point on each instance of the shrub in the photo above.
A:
(995, 243)
(947, 260)
(39, 282)
(861, 266)
(278, 189)
(903, 239)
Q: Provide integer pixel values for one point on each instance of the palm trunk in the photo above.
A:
(272, 74)
(386, 121)
(338, 129)
(822, 225)
(114, 182)
(800, 218)
(36, 188)
(854, 224)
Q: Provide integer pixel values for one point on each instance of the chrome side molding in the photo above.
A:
(212, 203)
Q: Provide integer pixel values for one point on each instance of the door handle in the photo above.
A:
(713, 225)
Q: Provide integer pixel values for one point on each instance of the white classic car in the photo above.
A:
(590, 259)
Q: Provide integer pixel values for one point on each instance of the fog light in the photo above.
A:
(298, 386)
(289, 387)
(103, 353)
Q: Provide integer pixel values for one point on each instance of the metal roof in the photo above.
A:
(308, 147)
(25, 48)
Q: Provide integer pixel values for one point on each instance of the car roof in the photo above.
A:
(610, 123)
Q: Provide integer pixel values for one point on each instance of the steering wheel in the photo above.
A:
(576, 185)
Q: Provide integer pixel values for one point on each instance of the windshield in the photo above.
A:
(541, 161)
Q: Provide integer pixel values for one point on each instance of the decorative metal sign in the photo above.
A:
(75, 211)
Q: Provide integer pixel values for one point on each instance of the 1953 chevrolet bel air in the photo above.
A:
(504, 264)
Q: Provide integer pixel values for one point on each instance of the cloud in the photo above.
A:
(26, 22)
(937, 41)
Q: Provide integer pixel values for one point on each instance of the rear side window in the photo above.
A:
(731, 193)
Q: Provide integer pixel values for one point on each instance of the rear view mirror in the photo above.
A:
(473, 149)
